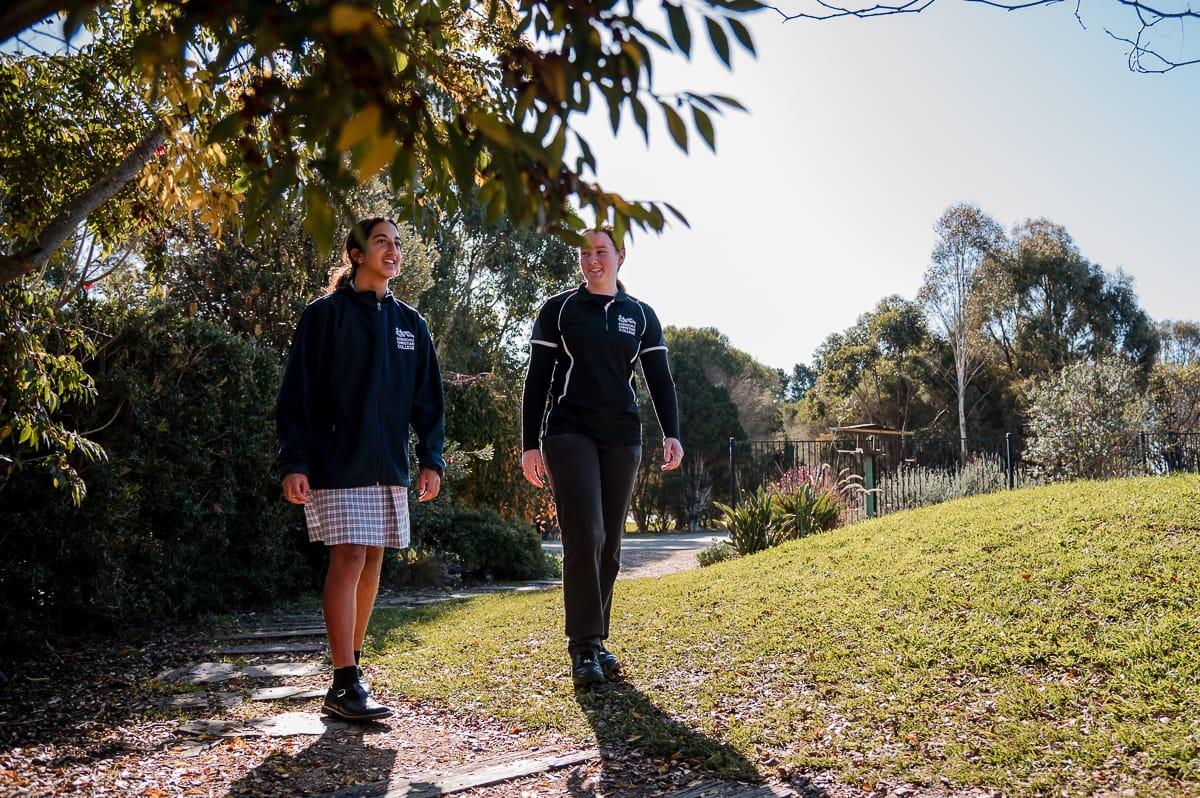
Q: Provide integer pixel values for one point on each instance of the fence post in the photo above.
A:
(868, 462)
(732, 473)
(1008, 461)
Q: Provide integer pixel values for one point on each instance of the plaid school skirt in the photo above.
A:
(376, 515)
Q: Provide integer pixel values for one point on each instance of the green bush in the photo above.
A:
(918, 486)
(184, 516)
(1082, 420)
(806, 510)
(751, 524)
(715, 553)
(410, 568)
(40, 375)
(767, 518)
(478, 540)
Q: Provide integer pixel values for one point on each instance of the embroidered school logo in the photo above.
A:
(625, 325)
(405, 340)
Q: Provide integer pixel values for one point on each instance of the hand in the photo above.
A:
(534, 467)
(429, 484)
(295, 488)
(672, 454)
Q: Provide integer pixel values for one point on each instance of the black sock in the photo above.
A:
(357, 657)
(344, 677)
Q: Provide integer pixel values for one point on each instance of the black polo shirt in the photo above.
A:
(583, 351)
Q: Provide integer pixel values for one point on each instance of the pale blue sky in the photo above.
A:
(822, 199)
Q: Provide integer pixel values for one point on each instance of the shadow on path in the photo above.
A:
(337, 760)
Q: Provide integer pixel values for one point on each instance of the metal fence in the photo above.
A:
(903, 472)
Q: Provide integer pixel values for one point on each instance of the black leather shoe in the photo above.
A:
(353, 703)
(609, 664)
(585, 668)
(362, 679)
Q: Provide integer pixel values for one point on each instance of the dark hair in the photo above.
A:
(607, 229)
(343, 276)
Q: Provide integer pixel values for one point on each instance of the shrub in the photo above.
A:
(751, 524)
(715, 553)
(40, 376)
(1081, 420)
(479, 541)
(806, 510)
(483, 413)
(184, 516)
(918, 486)
(412, 568)
(809, 500)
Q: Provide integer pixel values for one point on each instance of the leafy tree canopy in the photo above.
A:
(225, 108)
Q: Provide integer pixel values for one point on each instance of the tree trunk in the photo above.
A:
(962, 418)
(35, 254)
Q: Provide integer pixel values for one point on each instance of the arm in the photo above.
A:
(661, 386)
(543, 351)
(428, 417)
(294, 406)
(533, 406)
(657, 372)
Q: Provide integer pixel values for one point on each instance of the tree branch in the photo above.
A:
(37, 252)
(1148, 16)
(17, 15)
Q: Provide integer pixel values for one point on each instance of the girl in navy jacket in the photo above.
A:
(362, 370)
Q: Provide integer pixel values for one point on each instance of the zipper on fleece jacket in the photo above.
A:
(380, 354)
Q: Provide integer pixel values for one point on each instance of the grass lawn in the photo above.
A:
(1036, 640)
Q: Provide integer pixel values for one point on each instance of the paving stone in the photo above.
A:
(203, 673)
(522, 587)
(271, 648)
(289, 724)
(264, 634)
(467, 776)
(713, 788)
(187, 701)
(293, 617)
(216, 672)
(275, 629)
(273, 669)
(201, 700)
(288, 692)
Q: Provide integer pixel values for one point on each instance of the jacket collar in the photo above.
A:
(364, 297)
(602, 299)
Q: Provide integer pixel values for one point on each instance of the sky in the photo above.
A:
(822, 199)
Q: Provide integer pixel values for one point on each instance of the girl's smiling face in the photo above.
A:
(380, 261)
(600, 262)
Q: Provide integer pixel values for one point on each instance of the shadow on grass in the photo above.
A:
(628, 726)
(340, 762)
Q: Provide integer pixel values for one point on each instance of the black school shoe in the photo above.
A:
(609, 664)
(585, 669)
(362, 679)
(353, 703)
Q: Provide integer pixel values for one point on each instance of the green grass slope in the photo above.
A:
(1038, 640)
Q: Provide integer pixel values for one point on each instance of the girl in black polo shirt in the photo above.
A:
(584, 346)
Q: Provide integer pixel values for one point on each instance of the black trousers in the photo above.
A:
(592, 484)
